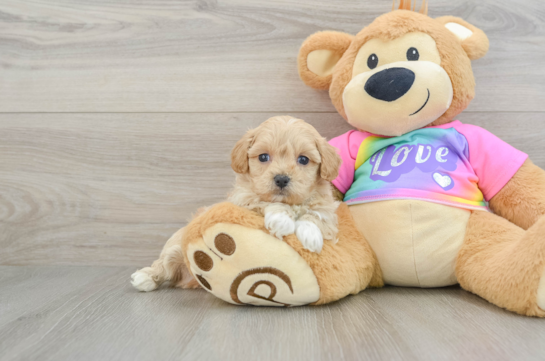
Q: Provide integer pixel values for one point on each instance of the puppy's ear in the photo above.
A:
(331, 161)
(239, 154)
(473, 40)
(318, 56)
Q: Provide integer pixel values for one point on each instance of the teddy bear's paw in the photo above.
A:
(309, 235)
(248, 266)
(280, 224)
(541, 292)
(142, 281)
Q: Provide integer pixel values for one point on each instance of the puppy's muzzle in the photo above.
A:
(281, 181)
(390, 84)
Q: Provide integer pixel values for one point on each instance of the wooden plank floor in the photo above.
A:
(91, 313)
(116, 122)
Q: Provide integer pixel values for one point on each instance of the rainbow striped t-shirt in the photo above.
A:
(456, 164)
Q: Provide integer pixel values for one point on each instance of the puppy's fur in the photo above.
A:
(305, 205)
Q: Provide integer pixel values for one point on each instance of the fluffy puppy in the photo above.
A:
(284, 168)
(284, 171)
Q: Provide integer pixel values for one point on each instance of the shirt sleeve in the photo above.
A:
(494, 161)
(347, 146)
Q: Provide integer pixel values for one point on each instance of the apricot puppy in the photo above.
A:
(284, 171)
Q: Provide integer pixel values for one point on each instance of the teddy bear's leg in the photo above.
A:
(170, 267)
(503, 263)
(233, 257)
(242, 265)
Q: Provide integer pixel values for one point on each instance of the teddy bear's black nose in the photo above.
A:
(389, 84)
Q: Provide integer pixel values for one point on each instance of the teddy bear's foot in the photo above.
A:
(539, 238)
(243, 265)
(504, 263)
(541, 292)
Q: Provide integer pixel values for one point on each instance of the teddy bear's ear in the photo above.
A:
(473, 40)
(318, 56)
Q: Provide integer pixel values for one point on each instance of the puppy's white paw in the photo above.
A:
(279, 224)
(142, 281)
(309, 235)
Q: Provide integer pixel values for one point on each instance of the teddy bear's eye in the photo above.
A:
(412, 54)
(372, 61)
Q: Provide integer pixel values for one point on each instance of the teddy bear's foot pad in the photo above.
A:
(248, 266)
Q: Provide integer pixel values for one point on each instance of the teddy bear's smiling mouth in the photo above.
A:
(422, 107)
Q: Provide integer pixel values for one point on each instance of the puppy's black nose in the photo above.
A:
(281, 180)
(389, 84)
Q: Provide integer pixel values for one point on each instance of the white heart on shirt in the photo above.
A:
(443, 180)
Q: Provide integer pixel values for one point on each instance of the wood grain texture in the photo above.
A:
(226, 56)
(92, 313)
(109, 189)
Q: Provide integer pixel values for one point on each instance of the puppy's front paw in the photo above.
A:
(143, 281)
(309, 235)
(279, 224)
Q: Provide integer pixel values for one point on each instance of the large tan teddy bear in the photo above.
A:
(429, 201)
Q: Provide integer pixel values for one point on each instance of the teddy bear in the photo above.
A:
(428, 200)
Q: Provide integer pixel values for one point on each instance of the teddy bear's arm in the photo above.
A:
(522, 200)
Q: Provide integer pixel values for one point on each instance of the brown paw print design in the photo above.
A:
(247, 266)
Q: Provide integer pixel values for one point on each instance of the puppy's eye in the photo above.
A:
(372, 61)
(302, 160)
(264, 158)
(412, 54)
